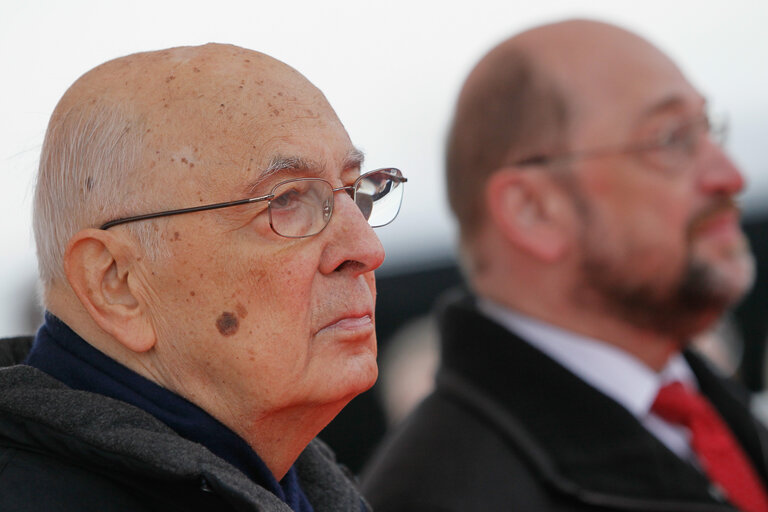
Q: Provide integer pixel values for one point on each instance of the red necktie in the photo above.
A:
(720, 454)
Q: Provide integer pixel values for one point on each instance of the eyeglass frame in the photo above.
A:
(717, 128)
(350, 189)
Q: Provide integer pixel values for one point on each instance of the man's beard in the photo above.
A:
(679, 309)
(677, 313)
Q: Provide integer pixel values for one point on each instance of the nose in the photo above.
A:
(718, 174)
(352, 244)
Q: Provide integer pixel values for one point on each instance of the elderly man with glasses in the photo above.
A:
(599, 234)
(206, 254)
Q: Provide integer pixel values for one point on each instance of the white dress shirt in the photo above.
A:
(607, 368)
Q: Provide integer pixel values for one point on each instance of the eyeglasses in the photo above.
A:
(302, 207)
(670, 149)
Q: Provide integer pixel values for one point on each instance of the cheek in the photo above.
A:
(666, 225)
(281, 278)
(641, 205)
(233, 289)
(641, 241)
(651, 219)
(272, 294)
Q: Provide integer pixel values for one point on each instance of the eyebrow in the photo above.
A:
(299, 165)
(671, 102)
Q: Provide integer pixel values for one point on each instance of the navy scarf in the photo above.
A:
(62, 354)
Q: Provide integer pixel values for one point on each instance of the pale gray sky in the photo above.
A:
(391, 70)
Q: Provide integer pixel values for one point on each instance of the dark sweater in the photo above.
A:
(65, 356)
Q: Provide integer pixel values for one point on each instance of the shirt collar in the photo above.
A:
(612, 371)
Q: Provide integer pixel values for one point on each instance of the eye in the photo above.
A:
(680, 138)
(301, 207)
(286, 198)
(685, 137)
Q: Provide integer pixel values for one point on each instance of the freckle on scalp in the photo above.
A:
(227, 323)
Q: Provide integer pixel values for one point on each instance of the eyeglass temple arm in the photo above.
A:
(167, 213)
(125, 220)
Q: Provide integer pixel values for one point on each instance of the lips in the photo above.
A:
(345, 313)
(352, 322)
(721, 218)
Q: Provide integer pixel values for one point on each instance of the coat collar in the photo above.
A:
(578, 439)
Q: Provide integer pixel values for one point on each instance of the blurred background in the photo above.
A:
(392, 71)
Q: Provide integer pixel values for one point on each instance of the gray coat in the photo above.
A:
(64, 450)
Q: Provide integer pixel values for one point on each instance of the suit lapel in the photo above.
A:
(589, 442)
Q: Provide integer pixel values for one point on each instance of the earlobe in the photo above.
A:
(97, 268)
(524, 207)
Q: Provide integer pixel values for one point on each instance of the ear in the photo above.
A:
(528, 208)
(98, 266)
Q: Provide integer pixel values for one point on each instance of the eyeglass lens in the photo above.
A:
(678, 146)
(303, 207)
(300, 207)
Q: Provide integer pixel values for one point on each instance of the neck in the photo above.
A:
(649, 345)
(280, 437)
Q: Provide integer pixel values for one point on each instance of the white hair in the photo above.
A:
(90, 155)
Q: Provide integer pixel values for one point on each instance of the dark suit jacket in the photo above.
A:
(508, 428)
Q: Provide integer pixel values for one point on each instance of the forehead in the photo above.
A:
(244, 160)
(614, 79)
(220, 122)
(296, 148)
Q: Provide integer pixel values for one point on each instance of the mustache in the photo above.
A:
(717, 207)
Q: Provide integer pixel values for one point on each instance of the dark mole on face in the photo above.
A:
(227, 323)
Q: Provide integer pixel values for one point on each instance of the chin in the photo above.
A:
(728, 274)
(736, 279)
(344, 377)
(359, 376)
(367, 371)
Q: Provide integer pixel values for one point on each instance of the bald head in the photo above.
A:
(531, 96)
(508, 109)
(183, 96)
(137, 132)
(603, 70)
